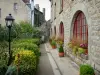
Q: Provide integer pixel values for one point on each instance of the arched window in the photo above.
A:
(80, 29)
(61, 30)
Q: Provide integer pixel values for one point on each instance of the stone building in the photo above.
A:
(17, 8)
(30, 4)
(39, 17)
(79, 19)
(45, 30)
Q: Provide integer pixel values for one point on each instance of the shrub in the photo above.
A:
(33, 41)
(27, 44)
(3, 67)
(3, 59)
(36, 33)
(86, 70)
(27, 62)
(61, 49)
(36, 41)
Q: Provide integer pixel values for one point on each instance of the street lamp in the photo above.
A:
(9, 22)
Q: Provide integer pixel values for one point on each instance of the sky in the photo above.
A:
(44, 4)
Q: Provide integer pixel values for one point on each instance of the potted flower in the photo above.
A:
(53, 44)
(85, 45)
(61, 51)
(81, 51)
(86, 70)
(75, 50)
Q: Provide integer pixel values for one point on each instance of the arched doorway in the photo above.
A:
(61, 31)
(80, 29)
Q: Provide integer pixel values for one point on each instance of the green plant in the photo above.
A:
(81, 50)
(36, 33)
(3, 67)
(27, 62)
(27, 44)
(61, 49)
(53, 43)
(86, 70)
(33, 41)
(75, 49)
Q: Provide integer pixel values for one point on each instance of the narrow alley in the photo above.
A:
(51, 64)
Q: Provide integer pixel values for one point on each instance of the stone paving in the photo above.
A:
(44, 63)
(51, 64)
(65, 65)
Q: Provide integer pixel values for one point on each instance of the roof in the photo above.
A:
(38, 10)
(26, 1)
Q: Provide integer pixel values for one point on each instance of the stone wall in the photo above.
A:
(91, 9)
(7, 6)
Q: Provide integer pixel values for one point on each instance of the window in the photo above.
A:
(61, 6)
(15, 7)
(61, 30)
(80, 29)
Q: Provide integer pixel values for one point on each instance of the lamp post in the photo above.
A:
(9, 22)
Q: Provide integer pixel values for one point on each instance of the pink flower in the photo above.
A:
(84, 45)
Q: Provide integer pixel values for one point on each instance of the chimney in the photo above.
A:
(37, 7)
(44, 12)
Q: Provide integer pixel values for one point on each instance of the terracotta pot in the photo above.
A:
(61, 54)
(53, 47)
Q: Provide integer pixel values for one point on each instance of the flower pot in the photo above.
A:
(53, 47)
(61, 54)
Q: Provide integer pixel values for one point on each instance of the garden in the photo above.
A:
(25, 52)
